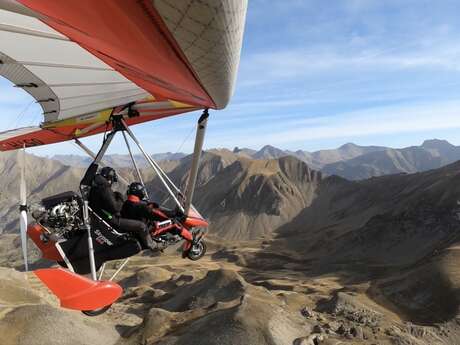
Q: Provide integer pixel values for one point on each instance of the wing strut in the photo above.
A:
(199, 139)
(138, 172)
(23, 208)
(84, 188)
(169, 185)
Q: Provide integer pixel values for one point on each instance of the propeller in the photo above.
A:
(23, 208)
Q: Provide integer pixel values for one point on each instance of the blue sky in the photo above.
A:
(316, 74)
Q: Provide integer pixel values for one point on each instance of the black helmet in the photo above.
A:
(109, 173)
(138, 190)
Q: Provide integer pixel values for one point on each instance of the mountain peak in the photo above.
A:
(269, 148)
(244, 151)
(436, 144)
(269, 151)
(348, 146)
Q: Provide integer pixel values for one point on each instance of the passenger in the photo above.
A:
(108, 204)
(137, 206)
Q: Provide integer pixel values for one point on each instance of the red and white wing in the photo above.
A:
(83, 59)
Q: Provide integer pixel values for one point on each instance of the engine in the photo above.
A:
(60, 214)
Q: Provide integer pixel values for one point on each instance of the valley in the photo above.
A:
(295, 257)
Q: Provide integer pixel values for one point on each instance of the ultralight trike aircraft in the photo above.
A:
(101, 67)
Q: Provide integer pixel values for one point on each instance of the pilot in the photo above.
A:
(108, 204)
(138, 207)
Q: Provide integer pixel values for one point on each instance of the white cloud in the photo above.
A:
(376, 121)
(296, 64)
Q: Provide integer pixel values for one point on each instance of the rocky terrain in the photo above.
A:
(295, 257)
(237, 296)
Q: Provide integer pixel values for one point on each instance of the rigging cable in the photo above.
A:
(15, 122)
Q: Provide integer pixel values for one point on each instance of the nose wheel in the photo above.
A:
(96, 312)
(197, 251)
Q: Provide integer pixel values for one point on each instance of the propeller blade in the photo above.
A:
(23, 209)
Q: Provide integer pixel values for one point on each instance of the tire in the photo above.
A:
(197, 251)
(96, 312)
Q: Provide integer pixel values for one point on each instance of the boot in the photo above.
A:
(186, 251)
(148, 243)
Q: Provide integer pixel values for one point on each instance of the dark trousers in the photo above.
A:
(129, 225)
(136, 227)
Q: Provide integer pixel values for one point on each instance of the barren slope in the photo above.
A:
(251, 198)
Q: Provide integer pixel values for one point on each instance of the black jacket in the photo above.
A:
(140, 210)
(105, 202)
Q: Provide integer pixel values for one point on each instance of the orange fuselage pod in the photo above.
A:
(195, 222)
(78, 292)
(48, 247)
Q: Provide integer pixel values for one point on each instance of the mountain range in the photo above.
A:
(431, 154)
(295, 257)
(355, 162)
(350, 161)
(116, 160)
